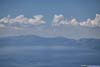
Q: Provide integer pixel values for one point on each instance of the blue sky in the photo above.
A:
(80, 9)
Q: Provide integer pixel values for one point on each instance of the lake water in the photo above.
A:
(48, 56)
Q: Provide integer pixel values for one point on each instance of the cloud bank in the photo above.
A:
(21, 19)
(56, 21)
(59, 26)
(59, 20)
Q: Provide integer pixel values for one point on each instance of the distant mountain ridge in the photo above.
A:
(36, 40)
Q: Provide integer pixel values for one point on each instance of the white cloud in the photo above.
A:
(21, 19)
(59, 20)
(36, 20)
(4, 20)
(90, 28)
(73, 21)
(92, 23)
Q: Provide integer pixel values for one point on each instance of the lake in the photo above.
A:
(48, 56)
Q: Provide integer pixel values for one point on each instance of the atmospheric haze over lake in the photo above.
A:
(49, 33)
(47, 56)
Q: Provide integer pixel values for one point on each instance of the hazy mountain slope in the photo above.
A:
(36, 40)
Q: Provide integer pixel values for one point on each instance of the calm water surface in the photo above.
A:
(47, 56)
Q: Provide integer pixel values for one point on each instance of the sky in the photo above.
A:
(50, 18)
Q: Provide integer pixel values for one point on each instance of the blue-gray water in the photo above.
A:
(47, 56)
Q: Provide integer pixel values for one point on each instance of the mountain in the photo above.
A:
(36, 40)
(90, 43)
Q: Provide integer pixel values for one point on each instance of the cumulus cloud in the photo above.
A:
(37, 20)
(21, 19)
(59, 20)
(73, 21)
(90, 28)
(92, 23)
(5, 19)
